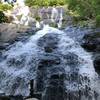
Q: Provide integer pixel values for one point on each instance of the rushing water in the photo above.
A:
(61, 68)
(57, 16)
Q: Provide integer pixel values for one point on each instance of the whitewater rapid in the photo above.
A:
(20, 63)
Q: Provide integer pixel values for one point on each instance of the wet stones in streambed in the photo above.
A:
(2, 93)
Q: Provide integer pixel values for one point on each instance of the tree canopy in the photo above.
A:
(45, 2)
(86, 8)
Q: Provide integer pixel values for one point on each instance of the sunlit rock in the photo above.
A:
(22, 11)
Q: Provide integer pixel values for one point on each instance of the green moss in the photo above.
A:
(3, 18)
(98, 20)
(37, 18)
(53, 25)
(19, 17)
(5, 7)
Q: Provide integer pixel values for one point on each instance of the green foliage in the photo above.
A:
(56, 2)
(3, 18)
(5, 7)
(98, 20)
(44, 2)
(37, 18)
(85, 8)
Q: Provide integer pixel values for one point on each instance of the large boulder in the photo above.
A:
(91, 42)
(9, 32)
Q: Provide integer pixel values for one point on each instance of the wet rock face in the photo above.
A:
(91, 42)
(97, 64)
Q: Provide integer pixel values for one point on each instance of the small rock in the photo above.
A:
(2, 93)
(32, 99)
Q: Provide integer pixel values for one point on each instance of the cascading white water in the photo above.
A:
(57, 16)
(85, 68)
(20, 9)
(54, 14)
(60, 19)
(20, 61)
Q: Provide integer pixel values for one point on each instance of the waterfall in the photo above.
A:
(57, 16)
(54, 14)
(62, 70)
(60, 19)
